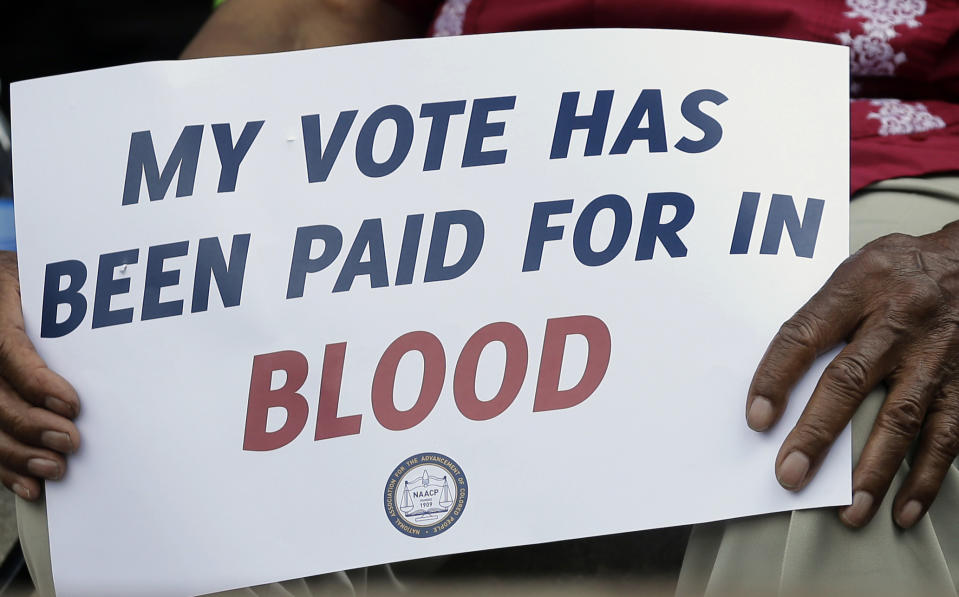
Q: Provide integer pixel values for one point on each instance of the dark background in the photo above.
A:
(47, 37)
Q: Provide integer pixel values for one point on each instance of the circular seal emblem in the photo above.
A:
(425, 495)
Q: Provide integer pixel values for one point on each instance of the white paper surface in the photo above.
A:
(163, 499)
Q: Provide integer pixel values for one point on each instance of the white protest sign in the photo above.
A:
(340, 307)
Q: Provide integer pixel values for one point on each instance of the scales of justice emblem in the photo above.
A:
(425, 495)
(426, 499)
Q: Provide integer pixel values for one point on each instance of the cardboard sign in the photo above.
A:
(334, 308)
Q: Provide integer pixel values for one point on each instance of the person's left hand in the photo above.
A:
(896, 302)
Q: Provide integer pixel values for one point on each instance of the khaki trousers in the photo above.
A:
(807, 552)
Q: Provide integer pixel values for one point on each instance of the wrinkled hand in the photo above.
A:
(896, 302)
(36, 405)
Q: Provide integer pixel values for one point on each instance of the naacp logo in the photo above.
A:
(425, 495)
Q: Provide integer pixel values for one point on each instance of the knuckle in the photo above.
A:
(901, 417)
(849, 266)
(32, 382)
(884, 252)
(21, 424)
(894, 253)
(944, 447)
(915, 297)
(893, 242)
(813, 434)
(14, 422)
(17, 370)
(799, 330)
(20, 365)
(895, 324)
(847, 376)
(874, 260)
(924, 293)
(942, 432)
(875, 476)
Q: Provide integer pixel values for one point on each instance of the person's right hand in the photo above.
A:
(36, 405)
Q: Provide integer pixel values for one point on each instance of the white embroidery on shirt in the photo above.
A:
(871, 53)
(450, 19)
(904, 118)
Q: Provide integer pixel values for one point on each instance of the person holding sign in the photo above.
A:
(895, 301)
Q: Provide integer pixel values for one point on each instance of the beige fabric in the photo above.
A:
(800, 553)
(810, 552)
(35, 543)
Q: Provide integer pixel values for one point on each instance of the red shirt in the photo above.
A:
(904, 58)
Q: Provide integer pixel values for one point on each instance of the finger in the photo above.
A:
(858, 368)
(36, 426)
(830, 315)
(22, 366)
(26, 487)
(29, 461)
(938, 448)
(897, 424)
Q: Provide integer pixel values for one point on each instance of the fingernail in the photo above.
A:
(42, 467)
(57, 440)
(761, 414)
(856, 514)
(910, 514)
(21, 491)
(793, 470)
(59, 406)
